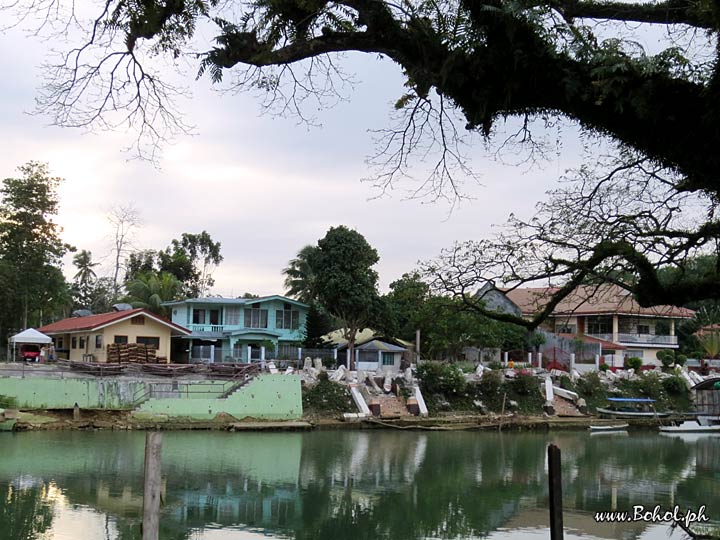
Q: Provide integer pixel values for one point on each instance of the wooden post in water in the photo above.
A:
(555, 484)
(151, 496)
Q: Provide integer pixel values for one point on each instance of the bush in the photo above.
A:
(495, 365)
(327, 397)
(675, 385)
(566, 383)
(441, 378)
(604, 367)
(680, 359)
(667, 358)
(490, 387)
(525, 385)
(633, 363)
(590, 385)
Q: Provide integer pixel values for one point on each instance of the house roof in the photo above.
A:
(377, 345)
(234, 301)
(337, 339)
(588, 339)
(604, 299)
(101, 320)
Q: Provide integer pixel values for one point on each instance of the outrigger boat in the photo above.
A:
(631, 408)
(609, 429)
(691, 426)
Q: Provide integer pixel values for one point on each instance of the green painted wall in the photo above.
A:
(46, 393)
(267, 397)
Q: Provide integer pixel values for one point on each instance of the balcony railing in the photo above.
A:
(650, 339)
(207, 327)
(641, 339)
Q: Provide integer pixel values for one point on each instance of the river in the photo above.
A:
(348, 485)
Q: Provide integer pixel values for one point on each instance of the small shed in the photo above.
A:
(707, 397)
(374, 355)
(29, 337)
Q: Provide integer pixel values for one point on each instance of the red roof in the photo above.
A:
(591, 300)
(76, 324)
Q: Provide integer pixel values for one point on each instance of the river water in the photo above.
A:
(348, 485)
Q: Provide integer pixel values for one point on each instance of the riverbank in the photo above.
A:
(54, 420)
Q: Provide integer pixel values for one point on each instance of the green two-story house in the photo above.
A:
(238, 329)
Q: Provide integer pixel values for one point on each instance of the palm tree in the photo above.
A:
(83, 262)
(299, 276)
(149, 290)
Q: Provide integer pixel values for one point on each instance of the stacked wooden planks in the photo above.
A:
(134, 353)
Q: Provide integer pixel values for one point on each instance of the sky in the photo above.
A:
(262, 185)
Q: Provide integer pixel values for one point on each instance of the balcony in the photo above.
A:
(638, 339)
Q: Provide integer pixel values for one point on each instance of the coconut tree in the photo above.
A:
(149, 290)
(300, 280)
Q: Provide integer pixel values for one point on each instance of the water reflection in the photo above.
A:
(354, 485)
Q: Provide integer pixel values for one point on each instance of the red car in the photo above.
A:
(29, 352)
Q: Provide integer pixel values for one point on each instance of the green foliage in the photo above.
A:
(8, 402)
(33, 289)
(633, 362)
(566, 383)
(346, 283)
(317, 324)
(604, 367)
(441, 378)
(680, 359)
(192, 260)
(675, 385)
(326, 398)
(592, 390)
(525, 385)
(667, 358)
(300, 278)
(149, 291)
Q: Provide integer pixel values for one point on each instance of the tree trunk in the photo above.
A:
(351, 349)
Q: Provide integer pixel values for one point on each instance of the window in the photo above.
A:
(120, 339)
(630, 353)
(98, 341)
(73, 342)
(566, 329)
(232, 316)
(599, 325)
(149, 341)
(59, 343)
(388, 359)
(214, 316)
(198, 316)
(256, 318)
(82, 343)
(287, 319)
(138, 320)
(643, 329)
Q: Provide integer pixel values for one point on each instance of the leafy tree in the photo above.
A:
(405, 301)
(299, 277)
(139, 262)
(150, 290)
(346, 284)
(536, 61)
(192, 260)
(30, 249)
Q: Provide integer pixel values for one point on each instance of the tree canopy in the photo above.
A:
(650, 204)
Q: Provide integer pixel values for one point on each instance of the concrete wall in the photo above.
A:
(271, 397)
(47, 393)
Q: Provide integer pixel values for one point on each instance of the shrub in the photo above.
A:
(327, 397)
(604, 367)
(566, 383)
(589, 385)
(680, 359)
(495, 365)
(525, 385)
(490, 386)
(667, 358)
(633, 363)
(441, 378)
(675, 385)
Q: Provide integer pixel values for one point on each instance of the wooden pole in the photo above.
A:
(555, 485)
(151, 497)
